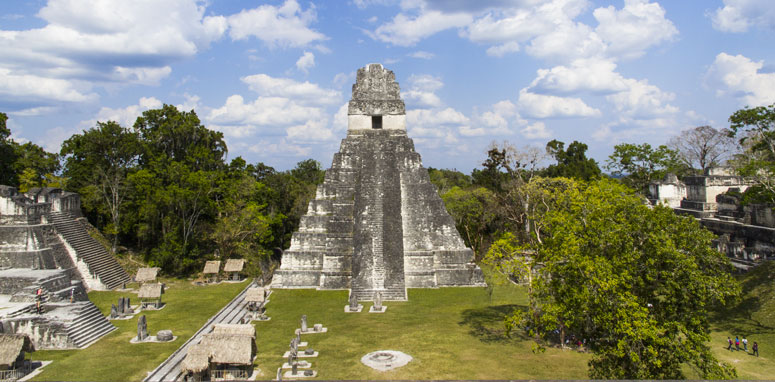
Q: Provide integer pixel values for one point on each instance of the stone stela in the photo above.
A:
(377, 223)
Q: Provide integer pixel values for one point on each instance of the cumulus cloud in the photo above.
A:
(125, 116)
(536, 130)
(630, 31)
(285, 25)
(305, 62)
(742, 77)
(585, 74)
(303, 92)
(408, 30)
(642, 100)
(549, 106)
(32, 88)
(739, 15)
(422, 90)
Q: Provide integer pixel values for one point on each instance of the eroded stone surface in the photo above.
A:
(385, 360)
(377, 222)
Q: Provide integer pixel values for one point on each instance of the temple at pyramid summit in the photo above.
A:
(376, 223)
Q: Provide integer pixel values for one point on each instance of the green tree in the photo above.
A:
(175, 189)
(639, 165)
(34, 166)
(474, 214)
(637, 283)
(97, 163)
(571, 163)
(445, 179)
(755, 130)
(7, 154)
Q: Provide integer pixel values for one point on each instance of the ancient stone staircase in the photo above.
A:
(101, 263)
(89, 325)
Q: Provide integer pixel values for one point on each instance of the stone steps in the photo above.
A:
(89, 326)
(387, 294)
(101, 263)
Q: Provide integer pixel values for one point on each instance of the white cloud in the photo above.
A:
(406, 30)
(593, 75)
(739, 15)
(431, 118)
(422, 90)
(636, 27)
(302, 92)
(642, 100)
(503, 49)
(273, 112)
(740, 76)
(422, 55)
(125, 116)
(306, 62)
(536, 130)
(285, 25)
(548, 106)
(36, 88)
(499, 120)
(311, 131)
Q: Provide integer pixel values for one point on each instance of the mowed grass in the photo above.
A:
(113, 358)
(452, 333)
(753, 316)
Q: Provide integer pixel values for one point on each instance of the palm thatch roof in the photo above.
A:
(241, 330)
(146, 274)
(255, 295)
(212, 266)
(234, 265)
(230, 349)
(197, 359)
(11, 345)
(154, 290)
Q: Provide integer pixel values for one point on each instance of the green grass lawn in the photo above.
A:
(753, 316)
(452, 333)
(113, 358)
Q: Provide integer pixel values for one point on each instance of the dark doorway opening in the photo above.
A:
(376, 121)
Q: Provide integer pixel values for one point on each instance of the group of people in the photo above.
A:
(754, 348)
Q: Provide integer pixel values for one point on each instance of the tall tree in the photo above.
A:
(474, 214)
(636, 282)
(571, 163)
(34, 166)
(755, 130)
(703, 147)
(7, 154)
(97, 162)
(638, 165)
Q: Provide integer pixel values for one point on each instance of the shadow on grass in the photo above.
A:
(488, 323)
(756, 298)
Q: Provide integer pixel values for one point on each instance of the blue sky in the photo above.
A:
(275, 76)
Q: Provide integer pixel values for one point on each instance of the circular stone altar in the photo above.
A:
(385, 360)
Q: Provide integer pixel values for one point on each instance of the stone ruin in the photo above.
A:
(746, 233)
(377, 223)
(48, 259)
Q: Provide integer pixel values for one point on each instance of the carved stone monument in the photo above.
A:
(142, 329)
(377, 307)
(354, 306)
(377, 222)
(304, 323)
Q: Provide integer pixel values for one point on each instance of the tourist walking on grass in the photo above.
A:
(745, 344)
(755, 348)
(737, 343)
(729, 341)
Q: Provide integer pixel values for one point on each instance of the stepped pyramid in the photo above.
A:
(377, 223)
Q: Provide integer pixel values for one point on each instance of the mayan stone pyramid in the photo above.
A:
(377, 223)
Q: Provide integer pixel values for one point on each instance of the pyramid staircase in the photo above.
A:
(88, 326)
(101, 263)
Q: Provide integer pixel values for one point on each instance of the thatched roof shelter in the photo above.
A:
(212, 267)
(146, 274)
(241, 330)
(234, 265)
(255, 295)
(11, 347)
(230, 349)
(154, 290)
(197, 359)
